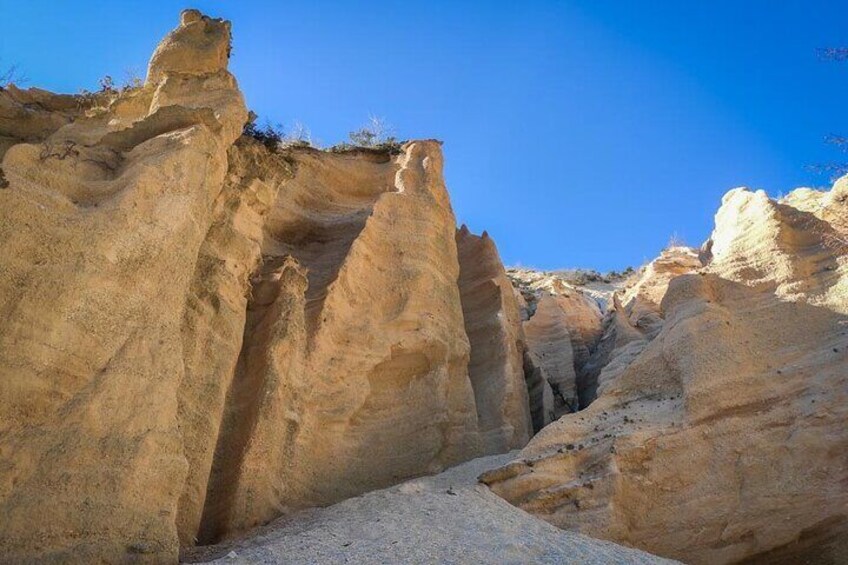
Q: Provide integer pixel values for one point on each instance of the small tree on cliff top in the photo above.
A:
(375, 133)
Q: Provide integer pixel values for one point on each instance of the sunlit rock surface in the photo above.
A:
(724, 436)
(201, 334)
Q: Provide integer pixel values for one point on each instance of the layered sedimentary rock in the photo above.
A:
(216, 311)
(200, 334)
(354, 373)
(725, 437)
(550, 353)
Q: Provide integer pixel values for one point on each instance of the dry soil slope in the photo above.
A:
(446, 518)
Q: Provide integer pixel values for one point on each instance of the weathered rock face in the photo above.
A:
(725, 436)
(199, 335)
(216, 311)
(550, 352)
(564, 323)
(493, 324)
(102, 222)
(360, 378)
(634, 318)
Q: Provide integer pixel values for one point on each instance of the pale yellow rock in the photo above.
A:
(797, 253)
(215, 313)
(584, 320)
(724, 437)
(549, 349)
(635, 317)
(199, 46)
(101, 224)
(137, 187)
(565, 336)
(641, 300)
(493, 325)
(201, 333)
(354, 373)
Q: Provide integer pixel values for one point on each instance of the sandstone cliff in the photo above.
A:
(493, 324)
(199, 334)
(565, 315)
(102, 223)
(721, 434)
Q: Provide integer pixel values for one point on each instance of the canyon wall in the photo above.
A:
(200, 333)
(493, 325)
(719, 431)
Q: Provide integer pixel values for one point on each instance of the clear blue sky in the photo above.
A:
(578, 133)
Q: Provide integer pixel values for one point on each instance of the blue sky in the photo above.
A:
(579, 134)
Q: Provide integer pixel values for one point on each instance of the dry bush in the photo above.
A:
(675, 241)
(376, 133)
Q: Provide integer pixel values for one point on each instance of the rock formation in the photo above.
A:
(493, 324)
(633, 319)
(722, 436)
(354, 373)
(550, 352)
(200, 334)
(563, 322)
(102, 223)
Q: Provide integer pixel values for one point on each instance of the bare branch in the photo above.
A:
(833, 53)
(12, 75)
(835, 170)
(132, 79)
(377, 132)
(839, 141)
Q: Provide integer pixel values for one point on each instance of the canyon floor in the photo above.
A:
(444, 518)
